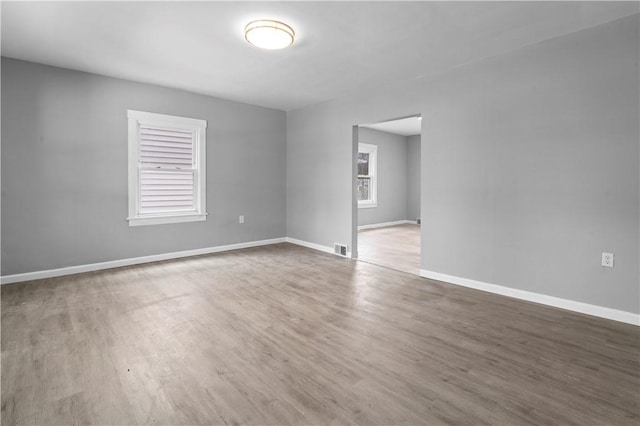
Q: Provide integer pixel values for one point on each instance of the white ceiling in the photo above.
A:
(341, 48)
(404, 127)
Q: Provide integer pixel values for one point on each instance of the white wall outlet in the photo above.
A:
(240, 219)
(607, 260)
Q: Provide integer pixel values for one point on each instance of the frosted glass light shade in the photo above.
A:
(268, 34)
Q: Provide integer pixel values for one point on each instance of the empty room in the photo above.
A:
(388, 170)
(187, 188)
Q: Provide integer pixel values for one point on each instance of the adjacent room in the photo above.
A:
(388, 193)
(314, 213)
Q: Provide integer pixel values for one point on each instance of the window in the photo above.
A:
(367, 182)
(167, 169)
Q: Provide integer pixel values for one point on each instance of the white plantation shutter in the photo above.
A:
(166, 170)
(166, 148)
(169, 168)
(172, 191)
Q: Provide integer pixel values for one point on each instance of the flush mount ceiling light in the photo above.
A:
(269, 34)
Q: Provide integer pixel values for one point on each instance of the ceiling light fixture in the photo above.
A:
(269, 34)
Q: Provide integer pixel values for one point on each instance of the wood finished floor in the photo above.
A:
(286, 335)
(396, 247)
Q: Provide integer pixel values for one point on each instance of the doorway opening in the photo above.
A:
(386, 198)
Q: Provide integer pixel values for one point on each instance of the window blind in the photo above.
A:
(167, 172)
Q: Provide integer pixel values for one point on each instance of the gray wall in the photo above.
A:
(64, 169)
(413, 177)
(530, 166)
(392, 177)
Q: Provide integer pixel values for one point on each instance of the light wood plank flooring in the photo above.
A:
(287, 335)
(396, 247)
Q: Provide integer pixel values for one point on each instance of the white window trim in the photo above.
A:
(199, 129)
(372, 150)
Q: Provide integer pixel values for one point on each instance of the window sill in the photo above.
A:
(367, 205)
(159, 220)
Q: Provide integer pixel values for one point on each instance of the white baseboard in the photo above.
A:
(50, 273)
(384, 224)
(571, 305)
(314, 246)
(309, 245)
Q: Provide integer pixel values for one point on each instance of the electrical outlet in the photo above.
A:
(240, 219)
(607, 260)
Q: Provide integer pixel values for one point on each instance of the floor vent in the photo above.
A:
(340, 249)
